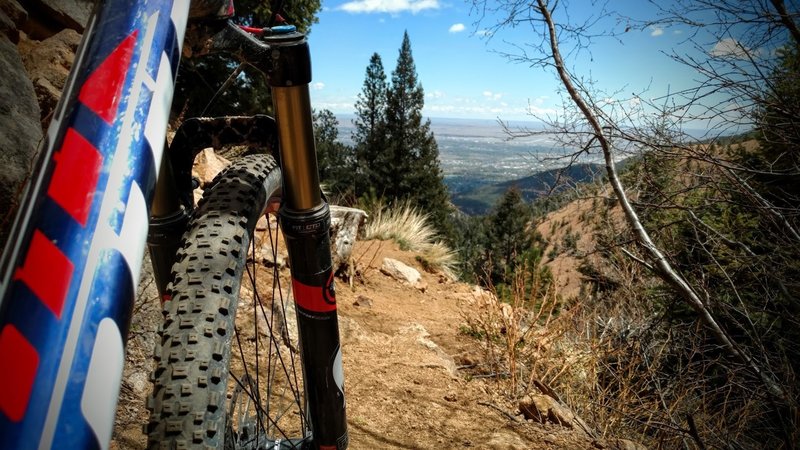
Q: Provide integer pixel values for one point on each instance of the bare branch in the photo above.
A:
(667, 272)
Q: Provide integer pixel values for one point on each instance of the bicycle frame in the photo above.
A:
(72, 263)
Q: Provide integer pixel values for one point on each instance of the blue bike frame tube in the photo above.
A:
(71, 267)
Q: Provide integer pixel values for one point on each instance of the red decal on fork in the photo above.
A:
(315, 298)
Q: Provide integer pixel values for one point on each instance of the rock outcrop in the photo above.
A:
(20, 131)
(48, 62)
(54, 15)
(37, 44)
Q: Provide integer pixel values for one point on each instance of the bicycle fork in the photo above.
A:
(305, 220)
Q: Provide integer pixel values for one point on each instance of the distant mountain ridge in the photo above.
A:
(481, 199)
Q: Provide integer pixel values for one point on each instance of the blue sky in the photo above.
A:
(461, 72)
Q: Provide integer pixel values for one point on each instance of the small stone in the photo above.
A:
(400, 271)
(207, 165)
(451, 397)
(543, 409)
(363, 301)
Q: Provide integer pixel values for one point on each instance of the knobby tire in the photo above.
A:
(191, 383)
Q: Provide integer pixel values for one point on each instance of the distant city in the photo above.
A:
(474, 152)
(478, 154)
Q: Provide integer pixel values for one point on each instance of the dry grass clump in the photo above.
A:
(410, 229)
(533, 340)
(620, 367)
(523, 338)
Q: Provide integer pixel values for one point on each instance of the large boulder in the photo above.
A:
(12, 17)
(48, 63)
(20, 131)
(403, 273)
(72, 14)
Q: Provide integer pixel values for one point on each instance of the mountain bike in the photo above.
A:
(224, 377)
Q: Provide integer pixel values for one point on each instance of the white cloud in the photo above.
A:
(492, 95)
(484, 107)
(657, 31)
(318, 86)
(456, 28)
(729, 47)
(484, 33)
(537, 111)
(435, 94)
(389, 6)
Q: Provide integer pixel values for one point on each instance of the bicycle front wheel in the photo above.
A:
(225, 374)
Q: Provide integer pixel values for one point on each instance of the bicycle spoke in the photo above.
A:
(266, 385)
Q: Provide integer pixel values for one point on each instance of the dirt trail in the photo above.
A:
(402, 358)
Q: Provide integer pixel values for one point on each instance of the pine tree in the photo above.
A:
(334, 159)
(369, 136)
(779, 133)
(508, 239)
(410, 169)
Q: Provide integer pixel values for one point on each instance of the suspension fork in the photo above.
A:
(168, 221)
(305, 220)
(305, 216)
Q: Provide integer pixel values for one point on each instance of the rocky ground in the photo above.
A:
(406, 367)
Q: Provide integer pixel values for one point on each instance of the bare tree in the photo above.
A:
(735, 79)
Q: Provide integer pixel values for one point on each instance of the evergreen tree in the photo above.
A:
(779, 131)
(369, 136)
(508, 239)
(334, 159)
(470, 243)
(409, 167)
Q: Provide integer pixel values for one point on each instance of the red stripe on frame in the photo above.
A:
(103, 88)
(47, 272)
(16, 378)
(74, 180)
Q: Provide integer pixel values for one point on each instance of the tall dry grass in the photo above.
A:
(411, 230)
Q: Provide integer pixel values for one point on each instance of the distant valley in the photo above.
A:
(480, 162)
(480, 199)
